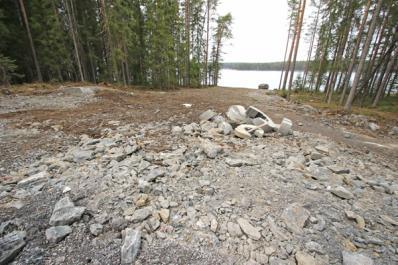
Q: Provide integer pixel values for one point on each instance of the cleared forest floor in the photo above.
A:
(46, 129)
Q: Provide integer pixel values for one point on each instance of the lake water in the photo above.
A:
(250, 79)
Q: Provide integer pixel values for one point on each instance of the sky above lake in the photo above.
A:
(259, 29)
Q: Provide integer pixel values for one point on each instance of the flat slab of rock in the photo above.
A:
(131, 246)
(57, 233)
(248, 229)
(356, 259)
(243, 131)
(295, 217)
(342, 193)
(36, 178)
(65, 213)
(10, 245)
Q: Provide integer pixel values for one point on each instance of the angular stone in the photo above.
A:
(57, 233)
(286, 127)
(237, 114)
(211, 149)
(142, 200)
(342, 193)
(207, 115)
(248, 229)
(356, 259)
(295, 217)
(259, 133)
(359, 219)
(225, 127)
(316, 156)
(164, 215)
(154, 174)
(213, 225)
(131, 246)
(373, 126)
(10, 245)
(144, 186)
(82, 155)
(96, 229)
(266, 126)
(305, 259)
(234, 229)
(141, 214)
(65, 213)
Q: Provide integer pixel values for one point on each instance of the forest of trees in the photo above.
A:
(159, 43)
(353, 49)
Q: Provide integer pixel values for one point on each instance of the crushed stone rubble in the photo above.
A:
(247, 188)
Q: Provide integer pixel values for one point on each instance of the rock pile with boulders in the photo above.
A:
(246, 122)
(211, 192)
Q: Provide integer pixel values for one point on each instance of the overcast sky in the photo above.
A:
(259, 29)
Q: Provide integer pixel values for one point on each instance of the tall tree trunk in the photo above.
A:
(289, 61)
(74, 38)
(355, 52)
(106, 39)
(32, 45)
(301, 19)
(286, 49)
(206, 68)
(309, 56)
(384, 83)
(188, 42)
(364, 54)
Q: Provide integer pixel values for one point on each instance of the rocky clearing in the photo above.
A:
(102, 176)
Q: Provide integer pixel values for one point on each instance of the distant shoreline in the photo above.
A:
(273, 66)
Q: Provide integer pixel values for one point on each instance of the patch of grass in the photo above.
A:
(387, 108)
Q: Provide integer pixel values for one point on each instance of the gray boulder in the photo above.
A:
(237, 114)
(225, 127)
(263, 86)
(65, 213)
(295, 217)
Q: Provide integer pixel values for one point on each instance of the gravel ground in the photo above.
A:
(143, 161)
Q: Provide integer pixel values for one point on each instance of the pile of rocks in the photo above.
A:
(276, 200)
(246, 122)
